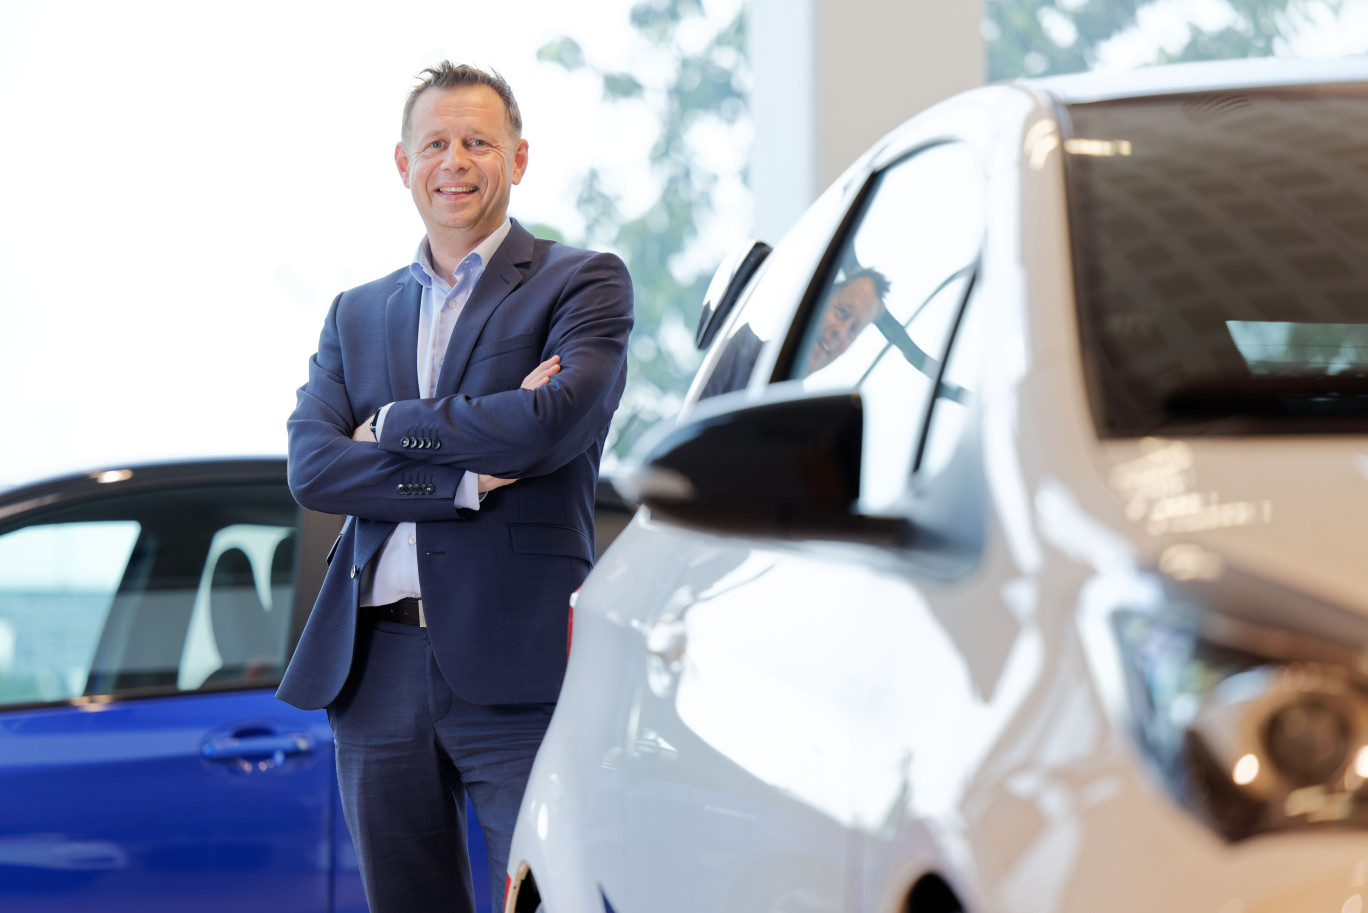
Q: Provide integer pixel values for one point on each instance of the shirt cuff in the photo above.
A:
(380, 420)
(468, 492)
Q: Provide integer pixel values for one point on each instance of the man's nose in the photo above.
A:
(455, 158)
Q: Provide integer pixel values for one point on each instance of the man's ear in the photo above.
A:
(401, 160)
(520, 161)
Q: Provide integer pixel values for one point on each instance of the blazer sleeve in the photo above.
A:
(331, 473)
(522, 433)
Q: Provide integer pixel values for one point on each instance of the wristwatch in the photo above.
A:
(375, 418)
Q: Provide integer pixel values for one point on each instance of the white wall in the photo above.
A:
(832, 76)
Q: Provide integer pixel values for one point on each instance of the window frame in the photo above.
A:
(71, 498)
(815, 292)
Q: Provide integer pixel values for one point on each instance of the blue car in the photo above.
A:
(146, 615)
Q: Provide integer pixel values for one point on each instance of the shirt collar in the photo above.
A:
(423, 270)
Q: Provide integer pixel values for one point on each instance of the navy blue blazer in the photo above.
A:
(496, 582)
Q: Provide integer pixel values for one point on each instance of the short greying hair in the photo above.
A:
(448, 75)
(881, 283)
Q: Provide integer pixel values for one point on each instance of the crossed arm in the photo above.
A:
(540, 376)
(562, 407)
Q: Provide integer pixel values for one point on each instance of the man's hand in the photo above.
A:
(540, 375)
(489, 483)
(363, 430)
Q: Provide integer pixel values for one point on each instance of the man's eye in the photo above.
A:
(478, 142)
(435, 144)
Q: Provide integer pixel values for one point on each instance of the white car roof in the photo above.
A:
(1101, 85)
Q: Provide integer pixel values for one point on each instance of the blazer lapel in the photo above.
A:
(370, 535)
(503, 274)
(401, 337)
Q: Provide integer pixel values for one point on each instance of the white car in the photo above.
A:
(1010, 553)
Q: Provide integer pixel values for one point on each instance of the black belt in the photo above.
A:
(405, 612)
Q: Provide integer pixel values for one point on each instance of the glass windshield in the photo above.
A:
(1221, 260)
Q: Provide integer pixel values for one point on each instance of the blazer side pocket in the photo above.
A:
(544, 539)
(500, 346)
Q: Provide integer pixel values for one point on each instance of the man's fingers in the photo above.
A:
(363, 430)
(489, 483)
(542, 373)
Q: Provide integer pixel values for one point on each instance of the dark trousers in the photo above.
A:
(409, 751)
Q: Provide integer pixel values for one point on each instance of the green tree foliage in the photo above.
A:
(1036, 37)
(696, 85)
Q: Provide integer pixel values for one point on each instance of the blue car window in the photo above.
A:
(57, 583)
(162, 591)
(241, 616)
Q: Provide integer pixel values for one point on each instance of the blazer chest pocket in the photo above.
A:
(501, 346)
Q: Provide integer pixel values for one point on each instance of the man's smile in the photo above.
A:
(456, 189)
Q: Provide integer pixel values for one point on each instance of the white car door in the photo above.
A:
(774, 671)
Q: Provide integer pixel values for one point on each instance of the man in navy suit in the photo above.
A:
(439, 638)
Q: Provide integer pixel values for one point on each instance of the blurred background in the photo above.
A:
(185, 187)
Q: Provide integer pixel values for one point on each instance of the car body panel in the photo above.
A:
(197, 794)
(108, 799)
(759, 723)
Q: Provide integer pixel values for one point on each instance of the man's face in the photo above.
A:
(850, 308)
(460, 162)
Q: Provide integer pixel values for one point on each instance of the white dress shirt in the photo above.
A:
(394, 573)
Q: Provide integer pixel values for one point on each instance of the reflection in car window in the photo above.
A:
(763, 314)
(168, 590)
(950, 409)
(886, 311)
(1222, 260)
(852, 303)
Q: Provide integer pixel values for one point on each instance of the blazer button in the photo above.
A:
(405, 443)
(437, 444)
(354, 571)
(400, 488)
(430, 489)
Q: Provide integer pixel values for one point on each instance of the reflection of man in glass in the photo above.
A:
(851, 306)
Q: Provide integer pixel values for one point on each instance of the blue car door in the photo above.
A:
(145, 764)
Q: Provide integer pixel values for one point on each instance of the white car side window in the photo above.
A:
(888, 307)
(763, 314)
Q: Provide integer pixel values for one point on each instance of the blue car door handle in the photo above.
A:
(275, 745)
